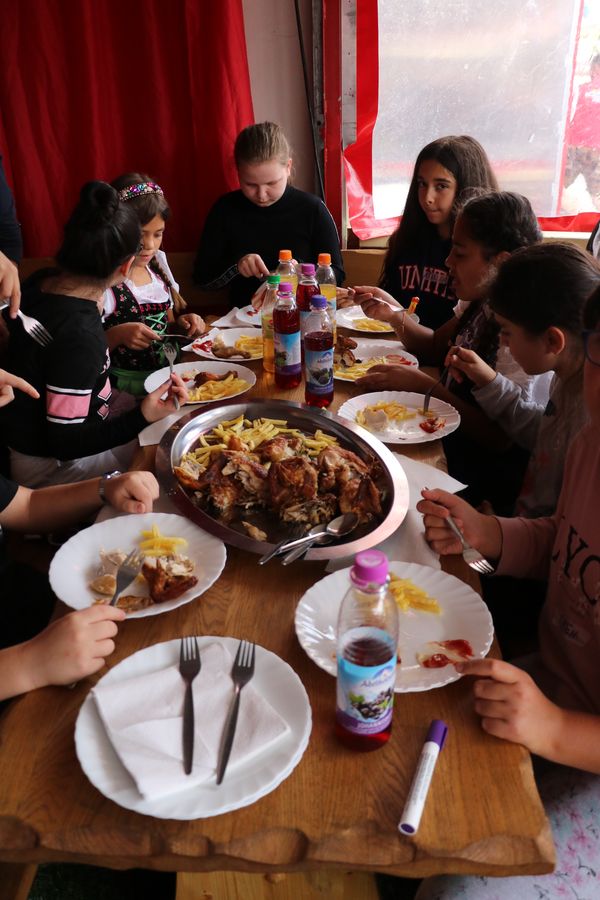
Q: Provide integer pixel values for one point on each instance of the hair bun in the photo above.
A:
(98, 203)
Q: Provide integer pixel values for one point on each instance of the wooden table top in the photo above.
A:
(338, 808)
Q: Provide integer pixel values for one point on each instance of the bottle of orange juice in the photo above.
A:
(266, 321)
(328, 286)
(287, 270)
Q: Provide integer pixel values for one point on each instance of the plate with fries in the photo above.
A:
(76, 564)
(209, 430)
(433, 606)
(233, 380)
(354, 317)
(244, 340)
(395, 417)
(373, 354)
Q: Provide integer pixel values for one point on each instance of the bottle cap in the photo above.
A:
(318, 301)
(273, 279)
(370, 567)
(285, 287)
(307, 269)
(324, 259)
(285, 255)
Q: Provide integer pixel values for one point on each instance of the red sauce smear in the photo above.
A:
(394, 359)
(438, 660)
(203, 345)
(432, 425)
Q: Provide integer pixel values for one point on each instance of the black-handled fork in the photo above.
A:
(189, 666)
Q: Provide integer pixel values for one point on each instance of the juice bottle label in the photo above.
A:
(365, 693)
(287, 353)
(266, 322)
(318, 365)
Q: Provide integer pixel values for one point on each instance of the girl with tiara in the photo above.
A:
(143, 306)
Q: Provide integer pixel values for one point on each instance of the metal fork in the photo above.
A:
(127, 571)
(425, 407)
(242, 672)
(189, 666)
(170, 352)
(33, 328)
(470, 555)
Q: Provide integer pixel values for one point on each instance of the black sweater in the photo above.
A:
(235, 226)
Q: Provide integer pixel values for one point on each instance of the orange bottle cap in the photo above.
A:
(324, 259)
(285, 255)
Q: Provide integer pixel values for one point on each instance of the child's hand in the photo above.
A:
(395, 378)
(9, 284)
(134, 335)
(132, 492)
(468, 362)
(344, 297)
(364, 292)
(193, 324)
(512, 706)
(252, 265)
(8, 381)
(74, 646)
(481, 531)
(154, 408)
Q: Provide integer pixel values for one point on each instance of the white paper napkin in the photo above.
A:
(143, 719)
(229, 320)
(153, 433)
(408, 542)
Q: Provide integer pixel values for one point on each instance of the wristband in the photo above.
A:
(102, 485)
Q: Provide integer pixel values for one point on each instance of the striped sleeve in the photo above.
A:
(66, 405)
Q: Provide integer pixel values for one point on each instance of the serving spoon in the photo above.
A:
(338, 527)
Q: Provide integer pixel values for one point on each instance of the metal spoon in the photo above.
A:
(337, 528)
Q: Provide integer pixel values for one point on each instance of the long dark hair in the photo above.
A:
(466, 159)
(100, 235)
(500, 221)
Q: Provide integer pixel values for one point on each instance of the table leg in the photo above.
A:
(310, 885)
(16, 880)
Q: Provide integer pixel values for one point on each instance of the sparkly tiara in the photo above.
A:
(138, 190)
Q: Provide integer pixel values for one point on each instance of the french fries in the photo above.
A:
(408, 596)
(366, 324)
(352, 373)
(217, 390)
(153, 543)
(251, 343)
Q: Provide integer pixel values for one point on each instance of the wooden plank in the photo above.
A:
(279, 886)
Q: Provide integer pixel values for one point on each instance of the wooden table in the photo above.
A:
(338, 810)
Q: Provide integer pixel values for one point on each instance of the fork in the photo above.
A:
(127, 571)
(425, 407)
(471, 556)
(242, 672)
(189, 666)
(171, 354)
(33, 328)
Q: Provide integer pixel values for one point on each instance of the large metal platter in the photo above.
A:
(184, 434)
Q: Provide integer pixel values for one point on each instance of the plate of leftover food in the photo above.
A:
(353, 359)
(397, 417)
(260, 472)
(128, 731)
(180, 562)
(442, 621)
(228, 343)
(206, 382)
(354, 317)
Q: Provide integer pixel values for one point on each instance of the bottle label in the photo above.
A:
(318, 366)
(266, 321)
(365, 693)
(287, 353)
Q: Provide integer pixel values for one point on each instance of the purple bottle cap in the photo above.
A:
(318, 301)
(307, 268)
(370, 567)
(285, 286)
(437, 732)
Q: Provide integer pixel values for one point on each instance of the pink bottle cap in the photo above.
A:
(285, 287)
(370, 567)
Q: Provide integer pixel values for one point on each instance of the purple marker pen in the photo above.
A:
(415, 802)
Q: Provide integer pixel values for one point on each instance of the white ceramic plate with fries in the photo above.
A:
(402, 410)
(240, 382)
(77, 562)
(354, 317)
(372, 354)
(248, 339)
(463, 616)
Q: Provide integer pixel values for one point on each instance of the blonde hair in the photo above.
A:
(261, 143)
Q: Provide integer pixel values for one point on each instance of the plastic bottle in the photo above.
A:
(328, 286)
(318, 354)
(286, 338)
(287, 270)
(367, 642)
(307, 288)
(266, 322)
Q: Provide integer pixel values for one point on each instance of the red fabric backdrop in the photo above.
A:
(93, 88)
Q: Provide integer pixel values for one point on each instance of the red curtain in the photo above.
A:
(94, 88)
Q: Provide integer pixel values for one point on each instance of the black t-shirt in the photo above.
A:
(8, 490)
(424, 275)
(235, 226)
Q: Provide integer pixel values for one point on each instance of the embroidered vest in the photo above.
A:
(155, 315)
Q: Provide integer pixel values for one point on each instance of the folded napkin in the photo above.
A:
(408, 542)
(229, 320)
(153, 433)
(143, 720)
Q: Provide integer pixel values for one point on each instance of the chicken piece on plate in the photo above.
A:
(279, 447)
(360, 496)
(337, 465)
(168, 578)
(222, 490)
(188, 473)
(292, 480)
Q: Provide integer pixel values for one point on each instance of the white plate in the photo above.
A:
(407, 432)
(346, 318)
(76, 562)
(244, 784)
(464, 615)
(201, 346)
(366, 350)
(159, 377)
(249, 316)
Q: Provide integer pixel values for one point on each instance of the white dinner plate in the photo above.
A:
(347, 318)
(367, 350)
(464, 616)
(249, 316)
(243, 784)
(76, 563)
(408, 431)
(202, 345)
(159, 377)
